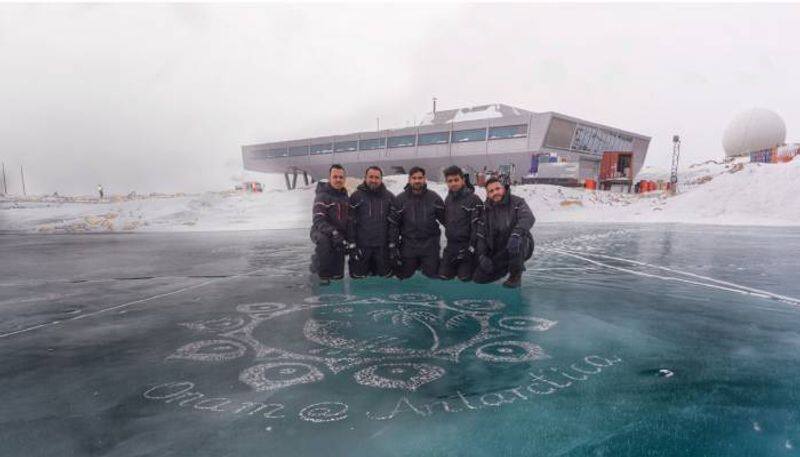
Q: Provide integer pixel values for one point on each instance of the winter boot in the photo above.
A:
(514, 280)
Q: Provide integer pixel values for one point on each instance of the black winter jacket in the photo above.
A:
(511, 215)
(369, 219)
(463, 213)
(331, 212)
(417, 216)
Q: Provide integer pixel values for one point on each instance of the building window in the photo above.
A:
(596, 140)
(297, 151)
(345, 146)
(510, 131)
(461, 136)
(317, 149)
(434, 138)
(404, 141)
(372, 143)
(277, 152)
(560, 133)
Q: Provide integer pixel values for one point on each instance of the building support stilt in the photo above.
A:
(291, 184)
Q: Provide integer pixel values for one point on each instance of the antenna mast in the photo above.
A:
(676, 155)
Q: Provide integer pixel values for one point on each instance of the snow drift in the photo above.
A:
(712, 193)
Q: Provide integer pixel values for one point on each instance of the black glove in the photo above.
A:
(394, 254)
(514, 244)
(355, 252)
(463, 254)
(485, 263)
(338, 241)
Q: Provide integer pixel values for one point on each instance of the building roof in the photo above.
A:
(497, 110)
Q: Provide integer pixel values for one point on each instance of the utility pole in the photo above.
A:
(676, 154)
(22, 174)
(378, 121)
(5, 187)
(434, 105)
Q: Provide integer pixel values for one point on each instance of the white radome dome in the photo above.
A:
(753, 130)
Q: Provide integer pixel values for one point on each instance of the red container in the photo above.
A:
(610, 163)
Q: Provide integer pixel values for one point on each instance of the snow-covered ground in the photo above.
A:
(712, 193)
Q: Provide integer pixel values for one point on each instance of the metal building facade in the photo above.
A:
(488, 137)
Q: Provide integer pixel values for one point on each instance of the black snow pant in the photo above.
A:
(327, 262)
(451, 266)
(420, 254)
(504, 263)
(373, 262)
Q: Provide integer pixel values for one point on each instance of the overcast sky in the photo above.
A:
(160, 97)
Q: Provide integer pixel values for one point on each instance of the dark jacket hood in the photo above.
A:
(465, 191)
(506, 198)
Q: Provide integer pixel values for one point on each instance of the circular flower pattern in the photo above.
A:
(526, 323)
(398, 341)
(510, 352)
(260, 310)
(474, 305)
(329, 299)
(210, 351)
(406, 376)
(329, 411)
(413, 297)
(271, 376)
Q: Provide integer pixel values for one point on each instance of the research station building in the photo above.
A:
(526, 146)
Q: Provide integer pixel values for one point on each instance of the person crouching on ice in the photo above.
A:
(416, 222)
(463, 212)
(371, 205)
(330, 227)
(505, 241)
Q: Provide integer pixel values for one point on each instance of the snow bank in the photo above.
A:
(713, 193)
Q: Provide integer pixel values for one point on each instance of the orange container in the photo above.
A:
(590, 184)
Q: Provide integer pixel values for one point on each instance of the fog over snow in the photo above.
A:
(153, 97)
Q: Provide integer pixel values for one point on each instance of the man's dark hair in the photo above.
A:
(491, 181)
(335, 166)
(453, 170)
(373, 167)
(416, 170)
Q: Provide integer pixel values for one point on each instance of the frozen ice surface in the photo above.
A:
(210, 344)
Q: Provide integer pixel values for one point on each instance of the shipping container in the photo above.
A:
(786, 153)
(616, 165)
(763, 156)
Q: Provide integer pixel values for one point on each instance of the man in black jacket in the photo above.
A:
(370, 206)
(329, 229)
(416, 227)
(505, 241)
(463, 211)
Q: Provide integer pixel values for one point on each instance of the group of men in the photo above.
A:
(386, 235)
